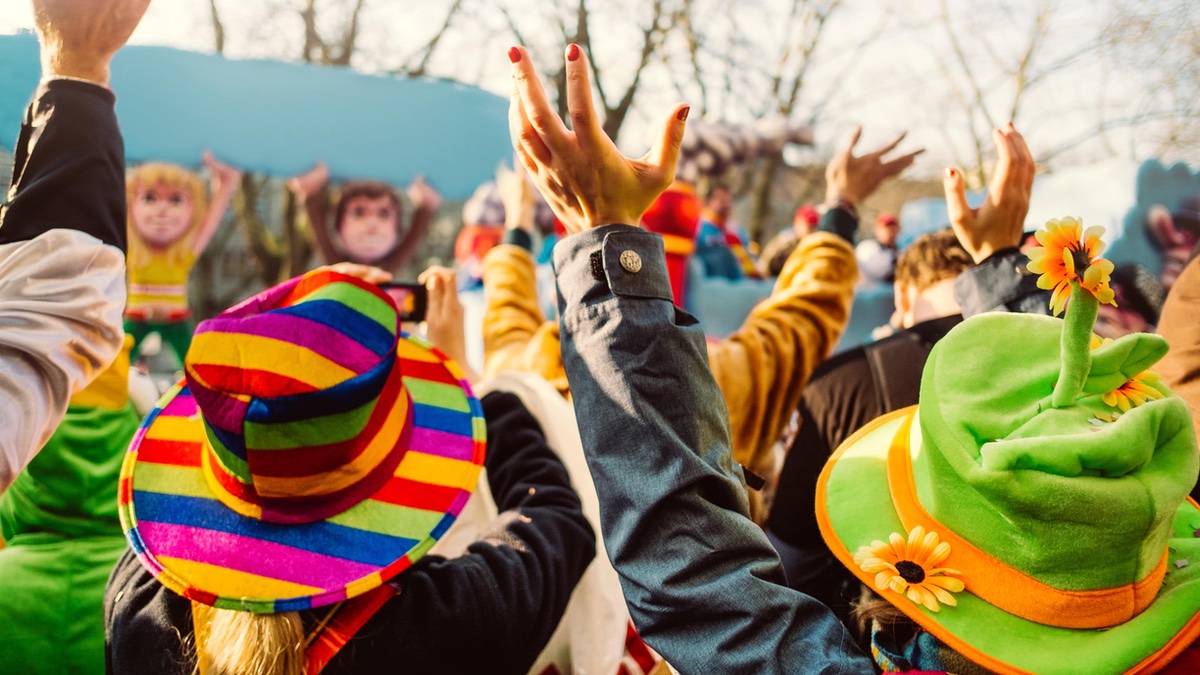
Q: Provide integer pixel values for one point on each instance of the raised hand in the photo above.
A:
(79, 37)
(423, 196)
(225, 176)
(444, 316)
(853, 179)
(367, 273)
(310, 182)
(582, 175)
(518, 196)
(999, 222)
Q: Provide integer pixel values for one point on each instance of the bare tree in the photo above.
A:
(804, 26)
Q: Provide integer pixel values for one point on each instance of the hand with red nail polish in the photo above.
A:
(999, 222)
(580, 172)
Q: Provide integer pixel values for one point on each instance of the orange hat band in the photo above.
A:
(1006, 587)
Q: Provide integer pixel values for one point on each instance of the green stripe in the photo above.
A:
(170, 479)
(362, 301)
(231, 462)
(448, 396)
(390, 519)
(327, 430)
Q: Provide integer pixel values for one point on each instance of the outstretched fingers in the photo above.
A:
(584, 120)
(956, 199)
(887, 148)
(537, 110)
(526, 141)
(665, 153)
(895, 166)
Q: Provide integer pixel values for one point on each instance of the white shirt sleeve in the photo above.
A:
(61, 299)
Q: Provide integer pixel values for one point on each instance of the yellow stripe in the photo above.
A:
(233, 584)
(454, 473)
(360, 586)
(225, 349)
(180, 429)
(677, 245)
(407, 350)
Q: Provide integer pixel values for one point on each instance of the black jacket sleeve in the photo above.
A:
(495, 608)
(68, 166)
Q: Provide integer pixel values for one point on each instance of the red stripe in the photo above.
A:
(405, 492)
(424, 370)
(636, 648)
(345, 624)
(175, 453)
(235, 378)
(124, 491)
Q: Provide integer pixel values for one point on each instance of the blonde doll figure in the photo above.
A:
(170, 223)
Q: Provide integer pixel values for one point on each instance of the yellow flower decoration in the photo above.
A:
(1069, 253)
(1134, 392)
(911, 567)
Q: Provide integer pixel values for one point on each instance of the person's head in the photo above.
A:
(257, 489)
(887, 229)
(166, 206)
(805, 220)
(368, 220)
(1031, 514)
(719, 200)
(925, 274)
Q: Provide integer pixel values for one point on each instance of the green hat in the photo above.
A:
(1033, 514)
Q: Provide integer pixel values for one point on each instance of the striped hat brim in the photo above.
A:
(201, 549)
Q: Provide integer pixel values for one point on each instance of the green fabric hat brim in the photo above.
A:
(854, 508)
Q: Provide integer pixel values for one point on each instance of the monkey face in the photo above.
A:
(369, 227)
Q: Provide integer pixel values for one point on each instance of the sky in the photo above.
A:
(896, 81)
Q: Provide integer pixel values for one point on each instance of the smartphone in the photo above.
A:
(411, 299)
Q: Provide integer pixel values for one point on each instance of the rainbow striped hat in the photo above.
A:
(312, 452)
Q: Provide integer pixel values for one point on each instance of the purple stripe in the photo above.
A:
(442, 444)
(253, 556)
(318, 337)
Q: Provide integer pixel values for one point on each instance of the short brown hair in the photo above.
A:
(931, 259)
(371, 189)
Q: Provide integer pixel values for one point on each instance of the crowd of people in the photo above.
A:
(999, 486)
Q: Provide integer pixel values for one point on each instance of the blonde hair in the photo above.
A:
(154, 174)
(229, 642)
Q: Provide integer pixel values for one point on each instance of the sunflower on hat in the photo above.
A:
(1067, 254)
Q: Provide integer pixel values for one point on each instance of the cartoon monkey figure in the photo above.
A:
(367, 219)
(171, 221)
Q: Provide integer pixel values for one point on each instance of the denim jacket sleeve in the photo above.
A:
(702, 583)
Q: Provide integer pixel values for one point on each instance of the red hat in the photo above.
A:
(886, 218)
(808, 214)
(676, 216)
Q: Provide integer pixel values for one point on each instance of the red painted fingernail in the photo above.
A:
(682, 114)
(573, 52)
(514, 54)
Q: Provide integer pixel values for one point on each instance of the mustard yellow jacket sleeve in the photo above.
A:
(763, 367)
(516, 336)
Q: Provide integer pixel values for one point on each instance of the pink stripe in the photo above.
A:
(442, 444)
(320, 338)
(179, 406)
(253, 556)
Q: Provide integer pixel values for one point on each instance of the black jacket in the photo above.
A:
(490, 611)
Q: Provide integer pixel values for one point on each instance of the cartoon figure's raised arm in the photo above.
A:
(225, 180)
(309, 189)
